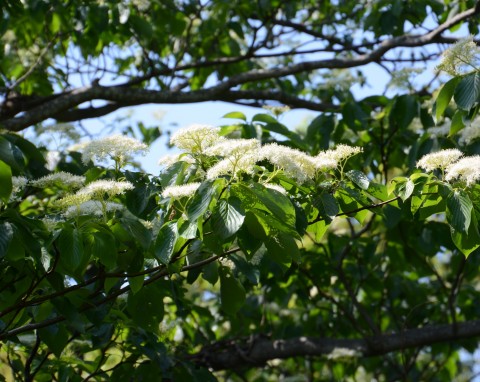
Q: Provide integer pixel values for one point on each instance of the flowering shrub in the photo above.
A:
(107, 271)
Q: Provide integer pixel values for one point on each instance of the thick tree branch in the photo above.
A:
(234, 355)
(62, 106)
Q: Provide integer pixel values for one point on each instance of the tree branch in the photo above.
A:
(62, 106)
(234, 355)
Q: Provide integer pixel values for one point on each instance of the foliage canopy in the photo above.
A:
(344, 250)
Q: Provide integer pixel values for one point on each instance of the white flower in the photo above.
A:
(72, 200)
(240, 155)
(233, 147)
(233, 165)
(323, 163)
(18, 183)
(169, 160)
(118, 147)
(466, 169)
(180, 191)
(470, 133)
(92, 207)
(276, 110)
(59, 178)
(52, 158)
(294, 163)
(196, 138)
(441, 159)
(276, 187)
(98, 188)
(51, 223)
(459, 57)
(341, 153)
(440, 131)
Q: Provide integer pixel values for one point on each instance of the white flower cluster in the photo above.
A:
(180, 191)
(18, 183)
(118, 147)
(465, 169)
(95, 191)
(92, 207)
(196, 138)
(60, 178)
(341, 153)
(169, 160)
(237, 156)
(240, 155)
(441, 159)
(458, 57)
(294, 163)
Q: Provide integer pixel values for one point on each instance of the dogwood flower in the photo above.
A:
(92, 207)
(178, 192)
(466, 169)
(294, 163)
(59, 178)
(196, 138)
(118, 147)
(458, 57)
(441, 159)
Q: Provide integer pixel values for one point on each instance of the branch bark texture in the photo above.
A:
(257, 352)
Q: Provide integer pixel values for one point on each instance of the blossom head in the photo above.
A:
(341, 153)
(466, 169)
(459, 56)
(178, 192)
(441, 159)
(93, 208)
(98, 189)
(294, 163)
(118, 147)
(169, 160)
(60, 178)
(233, 147)
(196, 138)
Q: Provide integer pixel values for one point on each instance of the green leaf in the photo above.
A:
(459, 210)
(403, 187)
(165, 243)
(467, 91)
(274, 202)
(137, 231)
(444, 97)
(467, 242)
(55, 337)
(359, 178)
(318, 229)
(404, 110)
(228, 217)
(457, 123)
(327, 205)
(10, 154)
(198, 205)
(71, 249)
(235, 115)
(5, 181)
(6, 236)
(282, 249)
(136, 283)
(265, 118)
(232, 293)
(105, 248)
(146, 307)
